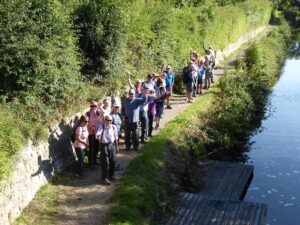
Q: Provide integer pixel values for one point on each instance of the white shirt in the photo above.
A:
(110, 134)
(83, 133)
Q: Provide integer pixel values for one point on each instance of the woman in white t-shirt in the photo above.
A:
(81, 143)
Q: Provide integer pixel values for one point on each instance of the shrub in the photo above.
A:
(239, 108)
(39, 56)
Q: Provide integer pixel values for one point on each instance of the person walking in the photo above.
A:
(107, 135)
(81, 143)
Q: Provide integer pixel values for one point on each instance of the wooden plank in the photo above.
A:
(218, 203)
(226, 180)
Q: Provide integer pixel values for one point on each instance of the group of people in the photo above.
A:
(198, 75)
(101, 127)
(98, 129)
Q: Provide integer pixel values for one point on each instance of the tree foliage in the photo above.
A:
(39, 57)
(101, 26)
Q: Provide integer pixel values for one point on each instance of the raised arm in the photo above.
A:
(129, 80)
(203, 46)
(162, 70)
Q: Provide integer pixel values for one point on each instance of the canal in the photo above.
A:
(275, 152)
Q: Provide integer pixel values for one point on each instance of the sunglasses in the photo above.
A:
(109, 120)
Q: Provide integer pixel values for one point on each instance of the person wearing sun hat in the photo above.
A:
(108, 138)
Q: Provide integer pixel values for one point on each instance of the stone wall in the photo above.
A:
(35, 168)
(222, 54)
(37, 163)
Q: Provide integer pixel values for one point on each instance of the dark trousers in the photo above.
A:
(131, 127)
(194, 87)
(144, 125)
(212, 72)
(108, 160)
(93, 150)
(150, 127)
(80, 155)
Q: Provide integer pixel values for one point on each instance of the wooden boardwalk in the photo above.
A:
(220, 200)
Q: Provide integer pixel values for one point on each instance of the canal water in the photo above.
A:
(275, 152)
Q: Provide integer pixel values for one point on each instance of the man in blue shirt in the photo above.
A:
(131, 115)
(169, 79)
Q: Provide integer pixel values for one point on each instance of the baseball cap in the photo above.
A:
(131, 91)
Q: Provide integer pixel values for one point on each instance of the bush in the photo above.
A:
(101, 27)
(239, 108)
(39, 56)
(11, 140)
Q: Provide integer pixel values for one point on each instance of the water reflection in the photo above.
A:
(275, 152)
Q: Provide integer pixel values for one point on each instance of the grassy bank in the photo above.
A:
(146, 185)
(220, 121)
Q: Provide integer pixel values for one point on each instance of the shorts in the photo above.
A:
(159, 109)
(169, 89)
(200, 81)
(190, 86)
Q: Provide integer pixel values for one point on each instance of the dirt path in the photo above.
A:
(86, 201)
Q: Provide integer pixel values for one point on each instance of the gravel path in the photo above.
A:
(86, 201)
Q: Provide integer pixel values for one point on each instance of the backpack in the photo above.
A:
(185, 74)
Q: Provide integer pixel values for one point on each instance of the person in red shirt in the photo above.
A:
(94, 121)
